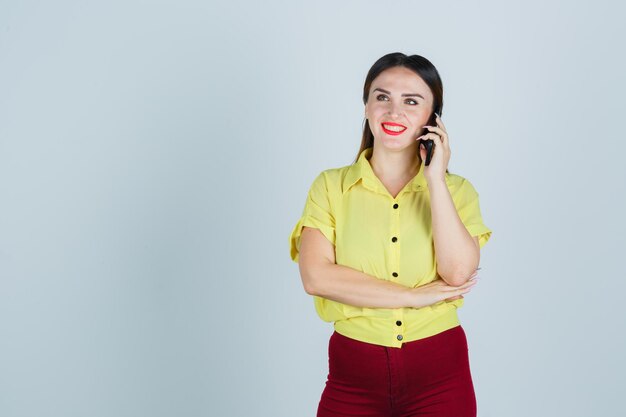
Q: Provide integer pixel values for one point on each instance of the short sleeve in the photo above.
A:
(317, 213)
(468, 208)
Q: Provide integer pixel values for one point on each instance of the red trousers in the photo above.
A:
(426, 377)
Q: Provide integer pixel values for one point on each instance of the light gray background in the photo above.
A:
(154, 157)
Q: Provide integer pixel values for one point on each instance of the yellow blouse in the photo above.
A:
(388, 238)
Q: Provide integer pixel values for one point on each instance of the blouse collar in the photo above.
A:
(362, 170)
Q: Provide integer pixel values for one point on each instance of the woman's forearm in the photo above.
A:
(455, 250)
(349, 286)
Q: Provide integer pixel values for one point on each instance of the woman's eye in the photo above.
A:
(378, 97)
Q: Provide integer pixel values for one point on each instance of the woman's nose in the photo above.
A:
(395, 111)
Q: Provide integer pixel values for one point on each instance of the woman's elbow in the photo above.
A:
(311, 274)
(458, 276)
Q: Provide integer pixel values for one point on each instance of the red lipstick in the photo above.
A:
(391, 132)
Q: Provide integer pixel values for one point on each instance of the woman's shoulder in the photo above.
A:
(334, 176)
(454, 180)
(330, 183)
(459, 185)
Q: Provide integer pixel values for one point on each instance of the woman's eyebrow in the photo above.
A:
(403, 95)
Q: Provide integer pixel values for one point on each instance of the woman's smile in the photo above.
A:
(393, 129)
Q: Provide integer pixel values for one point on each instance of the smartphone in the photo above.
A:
(429, 144)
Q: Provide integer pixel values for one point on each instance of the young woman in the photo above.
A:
(387, 246)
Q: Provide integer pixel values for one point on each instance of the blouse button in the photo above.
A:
(395, 206)
(395, 274)
(399, 337)
(398, 323)
(393, 239)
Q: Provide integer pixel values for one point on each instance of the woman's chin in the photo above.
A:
(394, 142)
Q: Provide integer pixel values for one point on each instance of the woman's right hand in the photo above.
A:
(439, 290)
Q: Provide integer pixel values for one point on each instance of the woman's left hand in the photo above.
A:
(436, 170)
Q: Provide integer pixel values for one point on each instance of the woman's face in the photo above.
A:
(398, 95)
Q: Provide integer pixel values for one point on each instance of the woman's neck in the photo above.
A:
(395, 166)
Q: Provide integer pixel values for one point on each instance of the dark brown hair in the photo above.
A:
(416, 63)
